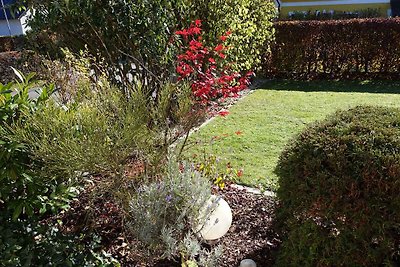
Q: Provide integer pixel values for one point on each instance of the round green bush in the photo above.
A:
(340, 191)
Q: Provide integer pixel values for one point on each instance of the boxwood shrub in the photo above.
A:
(340, 191)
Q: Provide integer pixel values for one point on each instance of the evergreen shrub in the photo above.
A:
(339, 190)
(136, 37)
(28, 195)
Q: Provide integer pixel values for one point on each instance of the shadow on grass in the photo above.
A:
(367, 86)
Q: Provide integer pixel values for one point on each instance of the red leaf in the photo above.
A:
(223, 113)
(183, 32)
(219, 47)
(195, 44)
(194, 30)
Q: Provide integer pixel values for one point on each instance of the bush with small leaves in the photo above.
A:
(23, 191)
(32, 243)
(339, 191)
(137, 34)
(27, 195)
(104, 131)
(164, 214)
(249, 21)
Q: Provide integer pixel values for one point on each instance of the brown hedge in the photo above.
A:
(357, 48)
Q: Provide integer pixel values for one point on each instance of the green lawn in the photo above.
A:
(270, 116)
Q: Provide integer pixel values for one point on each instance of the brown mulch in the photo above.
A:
(252, 234)
(25, 61)
(8, 59)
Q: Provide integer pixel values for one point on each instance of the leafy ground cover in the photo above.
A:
(253, 135)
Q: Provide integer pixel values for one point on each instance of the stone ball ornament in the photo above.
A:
(216, 218)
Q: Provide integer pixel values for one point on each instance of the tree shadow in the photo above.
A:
(266, 255)
(366, 86)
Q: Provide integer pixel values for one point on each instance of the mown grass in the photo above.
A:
(255, 132)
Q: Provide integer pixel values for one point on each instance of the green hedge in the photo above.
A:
(340, 191)
(351, 49)
(141, 32)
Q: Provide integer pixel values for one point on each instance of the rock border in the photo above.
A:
(254, 190)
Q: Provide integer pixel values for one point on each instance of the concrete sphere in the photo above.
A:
(219, 220)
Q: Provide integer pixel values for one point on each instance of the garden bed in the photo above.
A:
(252, 234)
(25, 61)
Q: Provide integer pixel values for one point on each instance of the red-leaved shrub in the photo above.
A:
(205, 68)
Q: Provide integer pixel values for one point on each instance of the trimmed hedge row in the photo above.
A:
(340, 191)
(351, 49)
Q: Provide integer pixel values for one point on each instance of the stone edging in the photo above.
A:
(255, 191)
